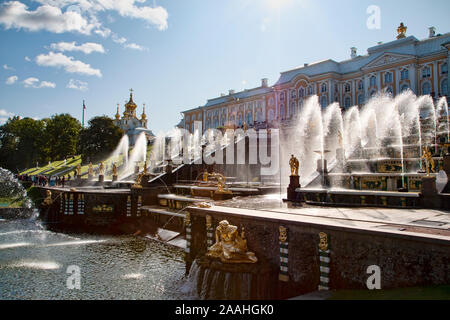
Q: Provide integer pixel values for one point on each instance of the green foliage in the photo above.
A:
(24, 142)
(99, 139)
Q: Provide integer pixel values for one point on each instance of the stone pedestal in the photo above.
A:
(429, 193)
(90, 177)
(114, 178)
(293, 185)
(101, 178)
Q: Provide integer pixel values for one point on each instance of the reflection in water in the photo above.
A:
(34, 262)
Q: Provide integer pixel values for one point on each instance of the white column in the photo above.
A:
(436, 79)
(397, 80)
(379, 80)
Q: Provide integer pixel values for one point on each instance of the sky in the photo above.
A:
(176, 54)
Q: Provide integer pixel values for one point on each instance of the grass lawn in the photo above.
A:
(415, 293)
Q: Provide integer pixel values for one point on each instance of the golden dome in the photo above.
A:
(117, 114)
(143, 115)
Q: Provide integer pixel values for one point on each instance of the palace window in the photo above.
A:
(293, 94)
(282, 96)
(323, 88)
(426, 88)
(193, 117)
(404, 88)
(361, 99)
(347, 102)
(347, 87)
(444, 87)
(292, 111)
(282, 111)
(373, 81)
(300, 104)
(301, 92)
(271, 102)
(373, 93)
(270, 115)
(310, 90)
(388, 77)
(361, 85)
(444, 68)
(188, 118)
(389, 90)
(426, 72)
(323, 102)
(404, 74)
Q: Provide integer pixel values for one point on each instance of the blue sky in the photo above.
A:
(176, 54)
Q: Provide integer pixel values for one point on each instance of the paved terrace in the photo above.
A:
(424, 223)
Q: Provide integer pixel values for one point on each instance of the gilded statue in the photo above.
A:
(294, 164)
(91, 169)
(187, 218)
(428, 156)
(230, 247)
(114, 169)
(48, 199)
(283, 234)
(101, 168)
(323, 242)
(208, 221)
(138, 182)
(205, 176)
(401, 30)
(78, 170)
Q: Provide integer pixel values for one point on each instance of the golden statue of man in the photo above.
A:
(428, 156)
(78, 170)
(230, 247)
(101, 168)
(91, 169)
(294, 164)
(114, 169)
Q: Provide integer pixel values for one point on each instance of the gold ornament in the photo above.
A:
(401, 30)
(114, 169)
(323, 243)
(208, 221)
(48, 199)
(91, 169)
(283, 234)
(187, 218)
(230, 247)
(101, 168)
(428, 156)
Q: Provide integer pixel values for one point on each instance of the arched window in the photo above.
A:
(249, 118)
(300, 104)
(270, 115)
(444, 68)
(444, 87)
(361, 85)
(404, 88)
(361, 99)
(282, 111)
(347, 87)
(310, 90)
(271, 102)
(373, 81)
(240, 119)
(404, 75)
(292, 110)
(389, 90)
(426, 88)
(426, 72)
(388, 77)
(347, 102)
(323, 88)
(293, 94)
(323, 102)
(301, 92)
(282, 96)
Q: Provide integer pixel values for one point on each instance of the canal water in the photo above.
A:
(34, 264)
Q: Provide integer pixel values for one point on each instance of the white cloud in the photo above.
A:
(77, 85)
(34, 83)
(27, 59)
(118, 39)
(12, 80)
(7, 68)
(87, 47)
(134, 46)
(4, 115)
(155, 15)
(14, 14)
(69, 64)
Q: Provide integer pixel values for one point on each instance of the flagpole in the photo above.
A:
(84, 107)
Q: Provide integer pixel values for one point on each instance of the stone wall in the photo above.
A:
(405, 261)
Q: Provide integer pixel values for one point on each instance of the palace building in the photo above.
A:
(403, 64)
(130, 123)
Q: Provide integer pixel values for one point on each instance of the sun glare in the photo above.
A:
(277, 4)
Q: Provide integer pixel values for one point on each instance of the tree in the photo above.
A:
(99, 139)
(62, 134)
(21, 143)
